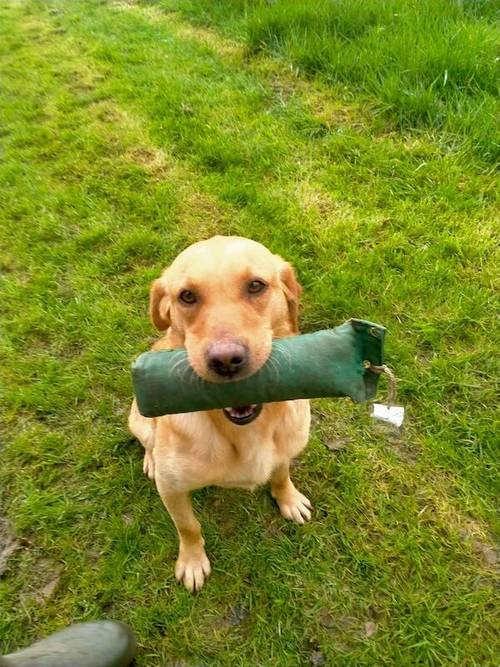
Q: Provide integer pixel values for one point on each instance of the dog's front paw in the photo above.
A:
(294, 506)
(192, 568)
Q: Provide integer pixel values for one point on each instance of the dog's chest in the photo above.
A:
(246, 464)
(196, 452)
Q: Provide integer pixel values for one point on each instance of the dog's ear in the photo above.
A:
(159, 305)
(292, 291)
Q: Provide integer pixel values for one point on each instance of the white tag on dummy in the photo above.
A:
(393, 414)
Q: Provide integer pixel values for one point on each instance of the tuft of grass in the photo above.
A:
(423, 64)
(127, 134)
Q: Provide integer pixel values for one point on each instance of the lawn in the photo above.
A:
(129, 130)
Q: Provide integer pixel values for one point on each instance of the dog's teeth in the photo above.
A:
(243, 414)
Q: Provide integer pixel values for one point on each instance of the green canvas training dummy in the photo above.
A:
(344, 361)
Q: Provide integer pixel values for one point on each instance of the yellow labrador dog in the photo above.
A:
(224, 300)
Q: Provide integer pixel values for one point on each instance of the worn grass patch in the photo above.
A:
(127, 135)
(422, 64)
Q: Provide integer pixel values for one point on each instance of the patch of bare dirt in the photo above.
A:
(9, 544)
(396, 438)
(489, 554)
(147, 156)
(48, 577)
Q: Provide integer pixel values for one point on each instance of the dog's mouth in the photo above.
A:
(243, 415)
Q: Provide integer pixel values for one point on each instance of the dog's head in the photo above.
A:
(224, 300)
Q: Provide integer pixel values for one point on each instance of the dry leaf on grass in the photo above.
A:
(317, 658)
(336, 444)
(45, 593)
(370, 629)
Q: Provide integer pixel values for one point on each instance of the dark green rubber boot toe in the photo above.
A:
(99, 644)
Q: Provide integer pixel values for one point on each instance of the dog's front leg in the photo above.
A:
(192, 566)
(293, 504)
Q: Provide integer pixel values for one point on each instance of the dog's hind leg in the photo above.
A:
(144, 430)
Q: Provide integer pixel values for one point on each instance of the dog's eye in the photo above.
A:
(256, 286)
(187, 296)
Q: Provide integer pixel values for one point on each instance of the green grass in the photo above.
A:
(422, 63)
(127, 134)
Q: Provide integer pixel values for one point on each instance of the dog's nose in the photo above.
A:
(227, 357)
